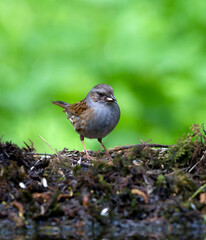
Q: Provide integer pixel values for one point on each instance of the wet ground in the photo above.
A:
(148, 191)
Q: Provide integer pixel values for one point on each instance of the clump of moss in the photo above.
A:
(147, 156)
(181, 184)
(175, 184)
(188, 149)
(58, 169)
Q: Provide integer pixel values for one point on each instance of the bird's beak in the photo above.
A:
(111, 98)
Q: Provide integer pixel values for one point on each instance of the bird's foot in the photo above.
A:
(89, 157)
(107, 153)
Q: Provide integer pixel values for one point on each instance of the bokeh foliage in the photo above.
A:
(153, 53)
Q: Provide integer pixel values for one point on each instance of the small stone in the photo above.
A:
(22, 185)
(105, 212)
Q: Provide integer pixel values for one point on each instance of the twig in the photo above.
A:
(8, 156)
(199, 190)
(1, 137)
(46, 154)
(31, 148)
(140, 145)
(48, 144)
(27, 146)
(201, 159)
(149, 140)
(203, 128)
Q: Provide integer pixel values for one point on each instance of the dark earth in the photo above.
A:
(148, 191)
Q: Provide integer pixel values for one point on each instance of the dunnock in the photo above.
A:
(95, 116)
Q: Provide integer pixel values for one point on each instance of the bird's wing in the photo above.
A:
(78, 108)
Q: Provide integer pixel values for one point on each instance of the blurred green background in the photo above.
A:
(153, 54)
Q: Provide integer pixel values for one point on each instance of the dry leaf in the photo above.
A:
(64, 196)
(19, 206)
(136, 191)
(203, 198)
(86, 200)
(46, 196)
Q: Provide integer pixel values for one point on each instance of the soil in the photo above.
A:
(148, 191)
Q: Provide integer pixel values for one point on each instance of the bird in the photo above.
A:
(95, 116)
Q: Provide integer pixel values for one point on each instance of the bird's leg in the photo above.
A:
(87, 154)
(100, 140)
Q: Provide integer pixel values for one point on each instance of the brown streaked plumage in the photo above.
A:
(95, 116)
(78, 108)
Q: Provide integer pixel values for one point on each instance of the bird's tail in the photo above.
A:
(61, 104)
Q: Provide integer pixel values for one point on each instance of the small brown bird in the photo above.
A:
(95, 116)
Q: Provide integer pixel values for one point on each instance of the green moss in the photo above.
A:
(161, 181)
(188, 149)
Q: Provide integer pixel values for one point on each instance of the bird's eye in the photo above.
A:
(101, 94)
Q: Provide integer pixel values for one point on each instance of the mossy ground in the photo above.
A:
(142, 186)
